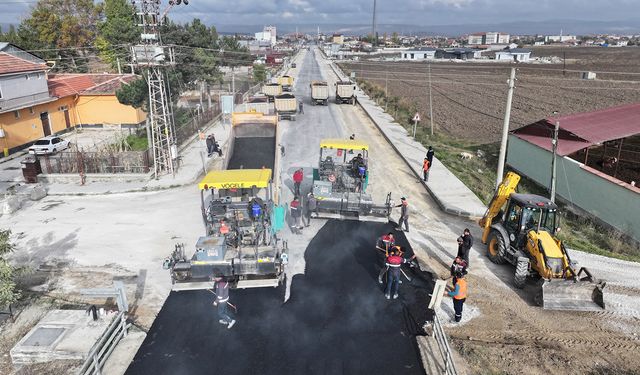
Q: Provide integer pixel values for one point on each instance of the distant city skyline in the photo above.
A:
(407, 14)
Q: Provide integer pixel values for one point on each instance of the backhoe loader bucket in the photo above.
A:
(576, 294)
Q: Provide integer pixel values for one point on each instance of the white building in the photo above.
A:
(421, 53)
(268, 34)
(559, 38)
(475, 39)
(490, 37)
(514, 54)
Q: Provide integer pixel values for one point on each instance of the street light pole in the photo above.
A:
(430, 101)
(505, 128)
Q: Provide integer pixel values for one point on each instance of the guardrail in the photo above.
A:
(443, 346)
(102, 349)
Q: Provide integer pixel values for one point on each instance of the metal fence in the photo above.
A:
(101, 351)
(84, 162)
(188, 129)
(443, 346)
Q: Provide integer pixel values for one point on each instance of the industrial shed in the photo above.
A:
(598, 163)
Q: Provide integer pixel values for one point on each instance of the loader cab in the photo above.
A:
(528, 212)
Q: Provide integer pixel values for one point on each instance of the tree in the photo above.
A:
(259, 73)
(117, 31)
(8, 292)
(194, 44)
(61, 30)
(135, 94)
(232, 54)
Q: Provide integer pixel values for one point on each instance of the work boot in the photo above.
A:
(231, 324)
(379, 280)
(387, 296)
(222, 321)
(395, 296)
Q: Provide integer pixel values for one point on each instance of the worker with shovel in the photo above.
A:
(221, 288)
(394, 263)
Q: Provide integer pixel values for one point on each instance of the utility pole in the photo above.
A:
(152, 56)
(554, 145)
(373, 26)
(505, 128)
(386, 86)
(430, 101)
(233, 85)
(119, 68)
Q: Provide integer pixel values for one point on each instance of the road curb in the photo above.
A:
(13, 156)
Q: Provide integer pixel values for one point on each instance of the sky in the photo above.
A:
(400, 12)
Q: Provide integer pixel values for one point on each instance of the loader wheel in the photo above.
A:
(522, 271)
(496, 247)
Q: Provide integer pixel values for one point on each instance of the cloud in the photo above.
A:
(399, 12)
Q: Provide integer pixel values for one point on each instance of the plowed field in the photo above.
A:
(469, 98)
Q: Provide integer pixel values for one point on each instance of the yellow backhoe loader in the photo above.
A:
(520, 229)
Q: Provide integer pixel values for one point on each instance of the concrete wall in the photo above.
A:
(105, 109)
(616, 204)
(28, 127)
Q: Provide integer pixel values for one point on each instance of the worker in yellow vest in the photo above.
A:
(459, 294)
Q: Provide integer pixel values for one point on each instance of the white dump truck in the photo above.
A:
(286, 106)
(319, 93)
(345, 92)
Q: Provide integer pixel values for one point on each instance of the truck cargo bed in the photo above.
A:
(253, 153)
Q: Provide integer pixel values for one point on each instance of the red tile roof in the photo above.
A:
(582, 130)
(12, 64)
(62, 85)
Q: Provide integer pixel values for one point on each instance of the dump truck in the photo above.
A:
(286, 106)
(345, 92)
(341, 180)
(241, 215)
(256, 104)
(271, 90)
(521, 229)
(286, 82)
(319, 93)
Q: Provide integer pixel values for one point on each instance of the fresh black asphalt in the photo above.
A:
(336, 321)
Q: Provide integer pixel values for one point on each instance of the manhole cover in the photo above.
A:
(43, 336)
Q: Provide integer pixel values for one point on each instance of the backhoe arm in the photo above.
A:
(504, 190)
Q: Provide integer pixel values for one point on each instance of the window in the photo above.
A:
(16, 114)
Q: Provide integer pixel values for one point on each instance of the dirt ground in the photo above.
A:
(469, 98)
(503, 330)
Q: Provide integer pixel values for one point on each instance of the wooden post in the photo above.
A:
(586, 156)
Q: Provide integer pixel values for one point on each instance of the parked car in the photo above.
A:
(49, 145)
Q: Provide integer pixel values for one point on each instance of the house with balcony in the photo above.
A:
(35, 103)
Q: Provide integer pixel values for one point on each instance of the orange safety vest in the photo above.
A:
(462, 292)
(425, 165)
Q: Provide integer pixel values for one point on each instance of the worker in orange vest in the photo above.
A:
(459, 294)
(425, 169)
